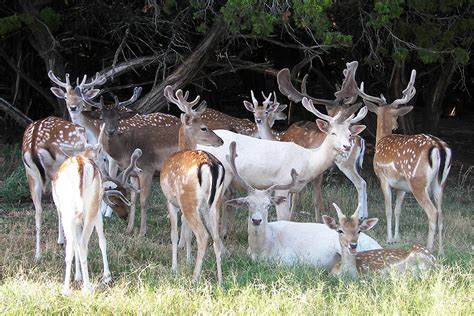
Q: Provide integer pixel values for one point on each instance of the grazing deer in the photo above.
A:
(77, 188)
(408, 163)
(192, 180)
(46, 135)
(308, 135)
(353, 262)
(283, 241)
(265, 162)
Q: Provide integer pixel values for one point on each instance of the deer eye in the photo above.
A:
(358, 232)
(334, 134)
(340, 231)
(204, 129)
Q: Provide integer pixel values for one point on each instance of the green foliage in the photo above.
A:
(248, 16)
(400, 55)
(9, 24)
(337, 39)
(51, 18)
(385, 12)
(461, 56)
(312, 14)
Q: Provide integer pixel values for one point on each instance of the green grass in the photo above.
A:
(143, 282)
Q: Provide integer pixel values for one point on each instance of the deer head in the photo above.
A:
(349, 228)
(268, 112)
(257, 201)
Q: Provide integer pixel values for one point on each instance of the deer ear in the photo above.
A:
(357, 129)
(239, 202)
(330, 222)
(249, 106)
(322, 125)
(368, 224)
(404, 110)
(371, 106)
(58, 92)
(92, 93)
(277, 200)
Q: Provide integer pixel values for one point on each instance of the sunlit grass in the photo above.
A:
(143, 282)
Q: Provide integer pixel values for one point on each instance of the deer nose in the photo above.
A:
(73, 108)
(353, 245)
(347, 147)
(256, 222)
(259, 121)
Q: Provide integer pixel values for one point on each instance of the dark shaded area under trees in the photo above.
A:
(222, 49)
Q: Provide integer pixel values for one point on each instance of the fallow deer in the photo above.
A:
(418, 164)
(308, 135)
(77, 188)
(192, 181)
(265, 162)
(353, 262)
(283, 241)
(46, 135)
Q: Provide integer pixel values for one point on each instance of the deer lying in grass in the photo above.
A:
(77, 192)
(192, 181)
(418, 164)
(283, 241)
(265, 162)
(308, 135)
(415, 260)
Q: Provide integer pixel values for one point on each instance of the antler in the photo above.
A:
(308, 104)
(339, 212)
(97, 81)
(136, 93)
(56, 80)
(267, 100)
(362, 113)
(181, 101)
(379, 101)
(294, 178)
(231, 160)
(408, 93)
(108, 193)
(132, 167)
(348, 92)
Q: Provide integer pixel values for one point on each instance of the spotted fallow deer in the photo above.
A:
(418, 164)
(267, 162)
(308, 135)
(353, 263)
(192, 181)
(46, 135)
(286, 242)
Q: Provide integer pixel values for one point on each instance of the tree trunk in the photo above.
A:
(14, 113)
(184, 73)
(433, 97)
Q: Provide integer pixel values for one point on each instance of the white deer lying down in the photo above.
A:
(77, 192)
(264, 162)
(283, 241)
(353, 263)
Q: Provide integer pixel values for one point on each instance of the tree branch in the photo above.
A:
(16, 114)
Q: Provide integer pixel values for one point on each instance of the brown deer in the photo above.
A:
(308, 135)
(192, 181)
(418, 164)
(46, 136)
(415, 260)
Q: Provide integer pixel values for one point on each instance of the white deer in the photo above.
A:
(283, 241)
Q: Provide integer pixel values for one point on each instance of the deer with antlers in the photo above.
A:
(353, 263)
(266, 162)
(283, 241)
(418, 164)
(192, 181)
(308, 135)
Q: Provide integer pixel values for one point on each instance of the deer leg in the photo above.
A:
(420, 191)
(195, 223)
(317, 197)
(438, 197)
(173, 214)
(99, 227)
(145, 190)
(398, 211)
(387, 194)
(133, 199)
(83, 251)
(217, 242)
(348, 167)
(36, 194)
(68, 258)
(227, 223)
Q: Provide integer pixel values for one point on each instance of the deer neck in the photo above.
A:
(186, 141)
(384, 126)
(348, 263)
(259, 238)
(265, 132)
(92, 126)
(322, 157)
